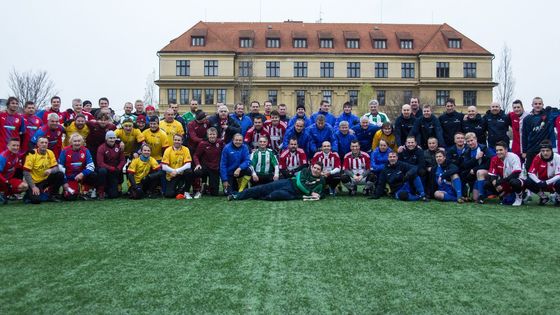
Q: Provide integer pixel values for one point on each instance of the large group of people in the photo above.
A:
(88, 153)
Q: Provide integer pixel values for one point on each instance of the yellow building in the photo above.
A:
(295, 62)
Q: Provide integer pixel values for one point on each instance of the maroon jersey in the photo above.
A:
(276, 134)
(252, 137)
(330, 160)
(96, 136)
(111, 158)
(32, 124)
(11, 126)
(208, 154)
(197, 133)
(292, 160)
(357, 164)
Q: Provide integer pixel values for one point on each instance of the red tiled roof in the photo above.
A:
(224, 37)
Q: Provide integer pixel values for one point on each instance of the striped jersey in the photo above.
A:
(252, 137)
(263, 162)
(292, 160)
(511, 164)
(276, 134)
(329, 160)
(357, 164)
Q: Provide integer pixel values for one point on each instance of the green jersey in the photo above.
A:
(306, 183)
(188, 117)
(264, 162)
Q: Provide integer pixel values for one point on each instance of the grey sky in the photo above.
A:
(107, 48)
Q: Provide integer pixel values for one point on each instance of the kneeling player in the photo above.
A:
(10, 162)
(76, 163)
(41, 173)
(143, 175)
(445, 179)
(331, 166)
(544, 173)
(357, 170)
(503, 175)
(176, 164)
(264, 165)
(402, 180)
(292, 160)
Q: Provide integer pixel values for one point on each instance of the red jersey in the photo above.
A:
(252, 137)
(276, 134)
(11, 126)
(44, 116)
(358, 164)
(516, 127)
(76, 161)
(503, 168)
(32, 124)
(329, 160)
(9, 163)
(72, 116)
(54, 137)
(292, 160)
(557, 126)
(544, 170)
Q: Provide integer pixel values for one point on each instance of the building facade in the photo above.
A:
(304, 63)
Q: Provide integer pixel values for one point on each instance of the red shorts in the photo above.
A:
(14, 182)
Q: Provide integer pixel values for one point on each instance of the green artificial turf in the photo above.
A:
(341, 255)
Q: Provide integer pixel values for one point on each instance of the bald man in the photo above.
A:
(498, 124)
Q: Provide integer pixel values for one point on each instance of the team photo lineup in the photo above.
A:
(254, 152)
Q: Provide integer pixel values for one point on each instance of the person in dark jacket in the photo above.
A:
(426, 127)
(473, 122)
(298, 132)
(451, 122)
(110, 162)
(537, 126)
(347, 116)
(207, 160)
(413, 154)
(446, 183)
(455, 153)
(497, 124)
(429, 164)
(475, 165)
(224, 124)
(320, 132)
(234, 165)
(402, 180)
(344, 138)
(403, 125)
(365, 133)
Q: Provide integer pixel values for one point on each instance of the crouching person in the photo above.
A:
(503, 175)
(356, 168)
(306, 184)
(176, 164)
(76, 163)
(111, 158)
(544, 174)
(402, 180)
(41, 174)
(10, 164)
(445, 179)
(143, 175)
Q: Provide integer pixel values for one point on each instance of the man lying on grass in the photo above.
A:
(307, 184)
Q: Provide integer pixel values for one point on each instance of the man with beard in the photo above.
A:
(12, 124)
(77, 125)
(191, 114)
(292, 159)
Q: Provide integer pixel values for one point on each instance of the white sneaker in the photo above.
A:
(197, 195)
(188, 196)
(518, 200)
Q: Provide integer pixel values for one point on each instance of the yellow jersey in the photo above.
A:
(37, 164)
(176, 158)
(130, 140)
(171, 129)
(141, 169)
(157, 141)
(70, 130)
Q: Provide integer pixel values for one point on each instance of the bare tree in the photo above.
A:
(506, 81)
(365, 94)
(393, 104)
(245, 80)
(151, 90)
(32, 86)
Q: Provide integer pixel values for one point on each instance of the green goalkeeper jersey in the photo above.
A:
(263, 162)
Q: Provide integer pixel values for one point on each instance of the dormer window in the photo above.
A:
(406, 43)
(380, 44)
(246, 42)
(197, 41)
(326, 43)
(300, 43)
(273, 42)
(352, 43)
(454, 43)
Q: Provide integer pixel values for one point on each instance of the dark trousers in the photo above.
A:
(53, 183)
(534, 187)
(210, 176)
(278, 190)
(178, 184)
(146, 185)
(263, 179)
(232, 180)
(108, 182)
(332, 181)
(529, 159)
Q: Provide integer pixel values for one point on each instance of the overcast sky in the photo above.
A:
(108, 48)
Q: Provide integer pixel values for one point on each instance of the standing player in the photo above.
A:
(473, 122)
(53, 132)
(156, 139)
(32, 124)
(207, 161)
(344, 138)
(97, 131)
(255, 133)
(331, 166)
(298, 132)
(12, 124)
(356, 169)
(516, 117)
(243, 120)
(374, 116)
(544, 174)
(276, 130)
(536, 128)
(282, 111)
(131, 137)
(426, 127)
(324, 109)
(451, 122)
(320, 132)
(110, 162)
(264, 165)
(10, 163)
(76, 163)
(503, 174)
(347, 116)
(292, 160)
(171, 126)
(54, 109)
(403, 125)
(498, 124)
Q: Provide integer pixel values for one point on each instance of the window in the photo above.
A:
(209, 96)
(454, 43)
(245, 42)
(327, 96)
(326, 43)
(352, 43)
(183, 96)
(210, 68)
(442, 69)
(300, 97)
(407, 70)
(300, 69)
(381, 69)
(221, 98)
(182, 68)
(380, 44)
(197, 41)
(469, 69)
(245, 68)
(273, 96)
(441, 97)
(353, 97)
(381, 97)
(245, 96)
(353, 69)
(407, 95)
(327, 69)
(300, 43)
(197, 95)
(469, 98)
(273, 42)
(406, 43)
(171, 95)
(273, 69)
